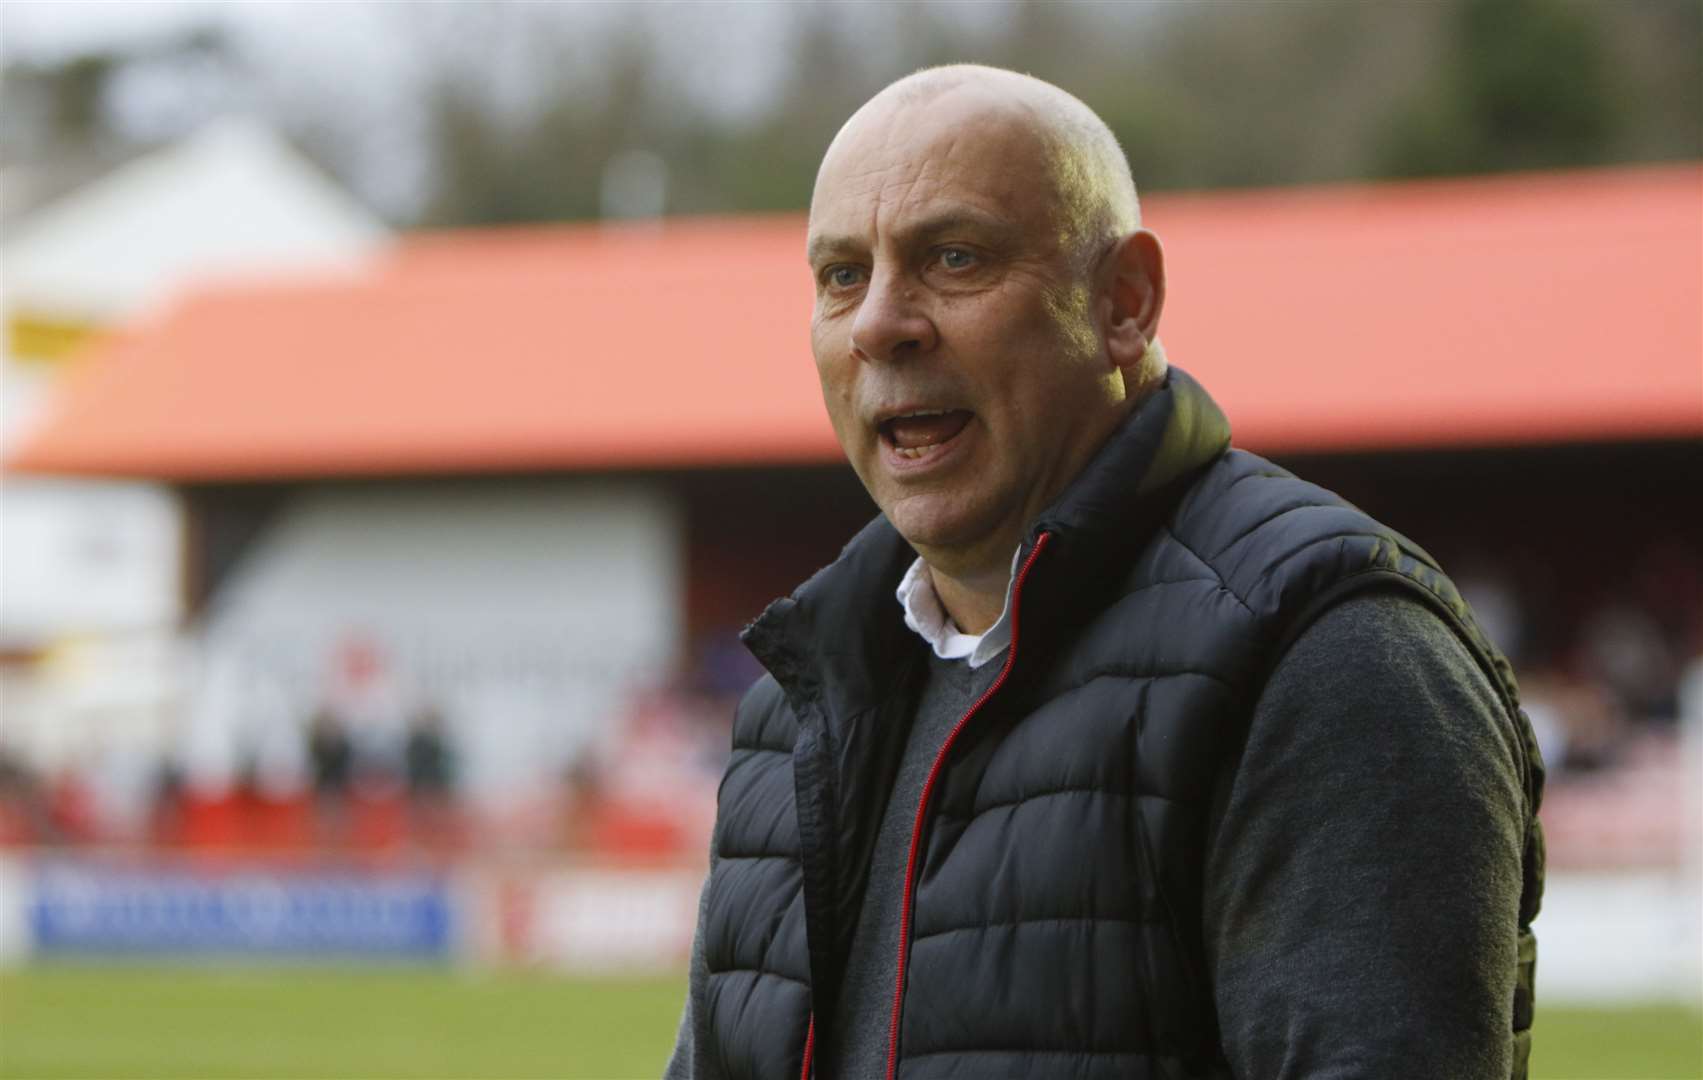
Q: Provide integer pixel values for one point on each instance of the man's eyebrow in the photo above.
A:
(959, 220)
(956, 220)
(823, 247)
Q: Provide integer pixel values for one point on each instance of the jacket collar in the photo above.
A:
(840, 638)
(1106, 516)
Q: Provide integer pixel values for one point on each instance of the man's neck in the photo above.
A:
(973, 602)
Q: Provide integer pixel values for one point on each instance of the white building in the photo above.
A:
(91, 595)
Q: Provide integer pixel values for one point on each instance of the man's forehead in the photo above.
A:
(957, 125)
(914, 165)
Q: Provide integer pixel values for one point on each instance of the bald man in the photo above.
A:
(1107, 750)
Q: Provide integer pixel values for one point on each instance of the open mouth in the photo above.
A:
(914, 434)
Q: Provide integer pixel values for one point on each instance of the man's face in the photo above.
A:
(952, 329)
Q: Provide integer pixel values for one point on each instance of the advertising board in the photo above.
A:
(91, 908)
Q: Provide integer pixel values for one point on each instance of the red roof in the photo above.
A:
(1518, 309)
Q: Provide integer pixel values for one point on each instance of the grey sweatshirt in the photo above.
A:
(1362, 877)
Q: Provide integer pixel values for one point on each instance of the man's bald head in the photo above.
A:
(1096, 197)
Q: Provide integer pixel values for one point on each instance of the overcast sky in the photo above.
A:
(55, 28)
(364, 67)
(364, 64)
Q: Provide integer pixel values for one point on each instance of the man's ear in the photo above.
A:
(1134, 297)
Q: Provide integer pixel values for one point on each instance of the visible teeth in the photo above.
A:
(912, 452)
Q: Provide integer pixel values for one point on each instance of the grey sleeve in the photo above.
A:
(1362, 879)
(691, 1059)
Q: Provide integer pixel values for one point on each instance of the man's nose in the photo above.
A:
(891, 324)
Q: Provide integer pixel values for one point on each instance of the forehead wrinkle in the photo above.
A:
(955, 219)
(874, 194)
(843, 178)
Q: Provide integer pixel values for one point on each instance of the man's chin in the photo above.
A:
(944, 535)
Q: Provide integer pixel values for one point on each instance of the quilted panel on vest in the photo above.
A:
(754, 939)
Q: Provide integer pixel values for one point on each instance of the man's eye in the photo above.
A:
(956, 259)
(843, 277)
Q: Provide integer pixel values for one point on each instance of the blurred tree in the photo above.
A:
(74, 102)
(514, 112)
(1524, 85)
(63, 123)
(769, 162)
(1658, 64)
(499, 162)
(78, 93)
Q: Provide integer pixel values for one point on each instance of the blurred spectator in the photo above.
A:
(1496, 604)
(330, 755)
(23, 816)
(166, 824)
(655, 797)
(369, 704)
(1623, 648)
(332, 761)
(429, 764)
(71, 806)
(1579, 725)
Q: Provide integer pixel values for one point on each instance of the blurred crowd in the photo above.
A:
(1604, 688)
(356, 794)
(1612, 678)
(1604, 677)
(365, 775)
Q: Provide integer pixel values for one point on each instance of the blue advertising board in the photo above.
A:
(94, 909)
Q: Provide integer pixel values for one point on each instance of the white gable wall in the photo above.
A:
(524, 610)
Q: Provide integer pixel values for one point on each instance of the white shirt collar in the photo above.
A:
(924, 614)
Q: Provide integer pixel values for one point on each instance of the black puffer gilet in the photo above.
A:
(1054, 923)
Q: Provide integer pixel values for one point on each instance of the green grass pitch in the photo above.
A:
(300, 1023)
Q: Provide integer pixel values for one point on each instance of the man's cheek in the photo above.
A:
(827, 342)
